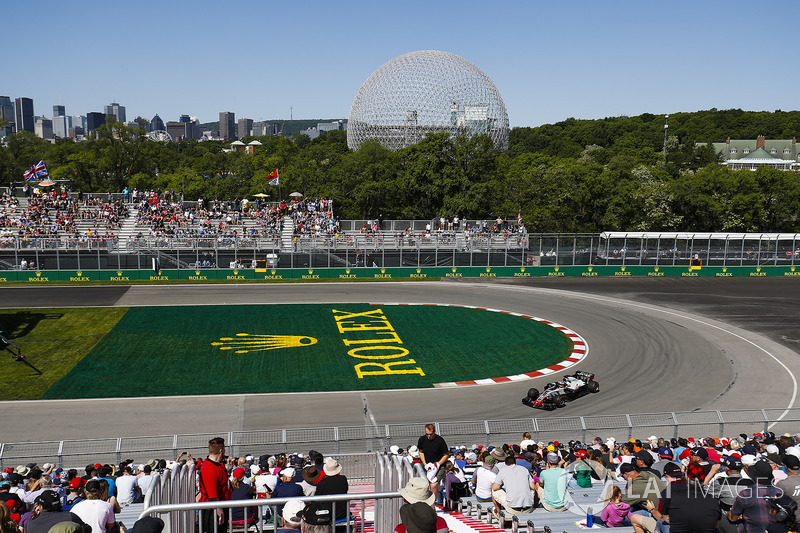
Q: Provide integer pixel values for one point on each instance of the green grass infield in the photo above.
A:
(160, 351)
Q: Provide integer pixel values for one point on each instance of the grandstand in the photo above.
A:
(106, 232)
(375, 477)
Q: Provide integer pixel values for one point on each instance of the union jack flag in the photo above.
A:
(37, 171)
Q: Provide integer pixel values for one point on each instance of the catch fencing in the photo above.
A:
(353, 439)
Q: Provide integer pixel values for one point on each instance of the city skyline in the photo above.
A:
(549, 60)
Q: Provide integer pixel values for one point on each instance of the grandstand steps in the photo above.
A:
(287, 234)
(130, 514)
(128, 227)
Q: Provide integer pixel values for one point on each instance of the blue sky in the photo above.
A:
(550, 60)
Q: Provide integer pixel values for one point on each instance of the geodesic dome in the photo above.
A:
(426, 92)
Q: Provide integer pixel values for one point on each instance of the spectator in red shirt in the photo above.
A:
(214, 486)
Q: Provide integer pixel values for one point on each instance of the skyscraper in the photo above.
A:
(44, 128)
(157, 124)
(23, 114)
(227, 125)
(61, 126)
(93, 121)
(6, 116)
(115, 110)
(245, 127)
(59, 111)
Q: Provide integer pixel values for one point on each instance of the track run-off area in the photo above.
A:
(654, 345)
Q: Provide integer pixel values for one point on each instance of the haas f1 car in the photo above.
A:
(558, 393)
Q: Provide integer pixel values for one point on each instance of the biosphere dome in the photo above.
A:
(426, 92)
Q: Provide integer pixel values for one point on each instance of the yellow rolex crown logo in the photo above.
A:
(454, 269)
(622, 268)
(488, 269)
(79, 273)
(556, 269)
(590, 269)
(420, 270)
(272, 271)
(310, 271)
(119, 272)
(725, 269)
(235, 272)
(522, 269)
(656, 269)
(39, 274)
(347, 271)
(196, 272)
(383, 271)
(792, 269)
(245, 342)
(758, 269)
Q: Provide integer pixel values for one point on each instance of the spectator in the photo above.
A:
(417, 514)
(334, 483)
(287, 488)
(581, 470)
(214, 485)
(75, 493)
(684, 505)
(127, 488)
(643, 486)
(310, 478)
(783, 511)
(552, 485)
(483, 478)
(148, 524)
(7, 524)
(9, 498)
(513, 488)
(48, 512)
(95, 512)
(241, 491)
(751, 505)
(724, 482)
(144, 480)
(292, 516)
(616, 512)
(433, 452)
(791, 485)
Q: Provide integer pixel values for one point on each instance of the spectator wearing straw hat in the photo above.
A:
(417, 514)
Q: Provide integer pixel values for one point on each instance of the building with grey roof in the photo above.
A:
(750, 154)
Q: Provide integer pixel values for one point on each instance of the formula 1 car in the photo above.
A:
(558, 393)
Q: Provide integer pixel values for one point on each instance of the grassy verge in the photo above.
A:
(53, 341)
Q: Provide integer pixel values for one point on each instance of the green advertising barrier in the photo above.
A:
(38, 277)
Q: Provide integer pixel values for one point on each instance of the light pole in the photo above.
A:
(666, 128)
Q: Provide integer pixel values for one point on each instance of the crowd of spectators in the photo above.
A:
(744, 484)
(33, 499)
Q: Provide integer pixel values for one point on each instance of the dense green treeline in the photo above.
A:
(573, 176)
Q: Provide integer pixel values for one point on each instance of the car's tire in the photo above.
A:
(533, 393)
(593, 386)
(561, 401)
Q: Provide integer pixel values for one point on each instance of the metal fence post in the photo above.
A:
(119, 450)
(721, 424)
(630, 426)
(675, 426)
(583, 429)
(535, 428)
(175, 445)
(283, 440)
(766, 419)
(336, 439)
(488, 433)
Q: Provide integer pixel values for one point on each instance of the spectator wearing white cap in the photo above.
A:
(287, 488)
(292, 518)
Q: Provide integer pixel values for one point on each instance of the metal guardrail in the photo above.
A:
(344, 440)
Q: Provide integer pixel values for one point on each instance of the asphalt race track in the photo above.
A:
(654, 344)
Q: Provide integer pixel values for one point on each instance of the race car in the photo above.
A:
(558, 393)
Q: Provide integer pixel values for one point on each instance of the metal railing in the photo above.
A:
(172, 496)
(343, 440)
